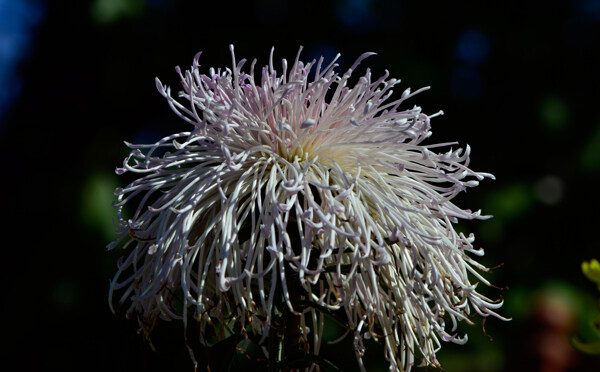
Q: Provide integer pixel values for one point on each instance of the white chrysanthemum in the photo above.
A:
(305, 190)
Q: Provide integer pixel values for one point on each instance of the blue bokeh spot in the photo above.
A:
(590, 8)
(18, 20)
(355, 14)
(472, 47)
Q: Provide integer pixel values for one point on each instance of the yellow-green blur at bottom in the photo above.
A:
(591, 270)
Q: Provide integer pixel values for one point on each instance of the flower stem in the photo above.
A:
(274, 344)
(293, 348)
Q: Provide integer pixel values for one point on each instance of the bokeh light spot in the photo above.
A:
(355, 14)
(97, 196)
(472, 47)
(506, 204)
(18, 19)
(549, 190)
(509, 202)
(109, 11)
(554, 113)
(590, 8)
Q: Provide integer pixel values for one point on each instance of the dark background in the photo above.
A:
(517, 80)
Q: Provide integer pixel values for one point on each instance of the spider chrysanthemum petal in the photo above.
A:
(300, 187)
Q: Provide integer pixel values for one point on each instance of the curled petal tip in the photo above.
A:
(159, 86)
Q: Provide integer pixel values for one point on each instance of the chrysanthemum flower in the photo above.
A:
(299, 192)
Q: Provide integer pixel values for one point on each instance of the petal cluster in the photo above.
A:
(305, 189)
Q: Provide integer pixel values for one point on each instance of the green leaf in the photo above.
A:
(224, 352)
(592, 347)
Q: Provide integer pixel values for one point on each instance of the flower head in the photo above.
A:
(301, 190)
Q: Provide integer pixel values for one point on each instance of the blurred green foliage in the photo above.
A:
(506, 204)
(588, 339)
(109, 11)
(591, 269)
(97, 197)
(590, 153)
(554, 113)
(509, 202)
